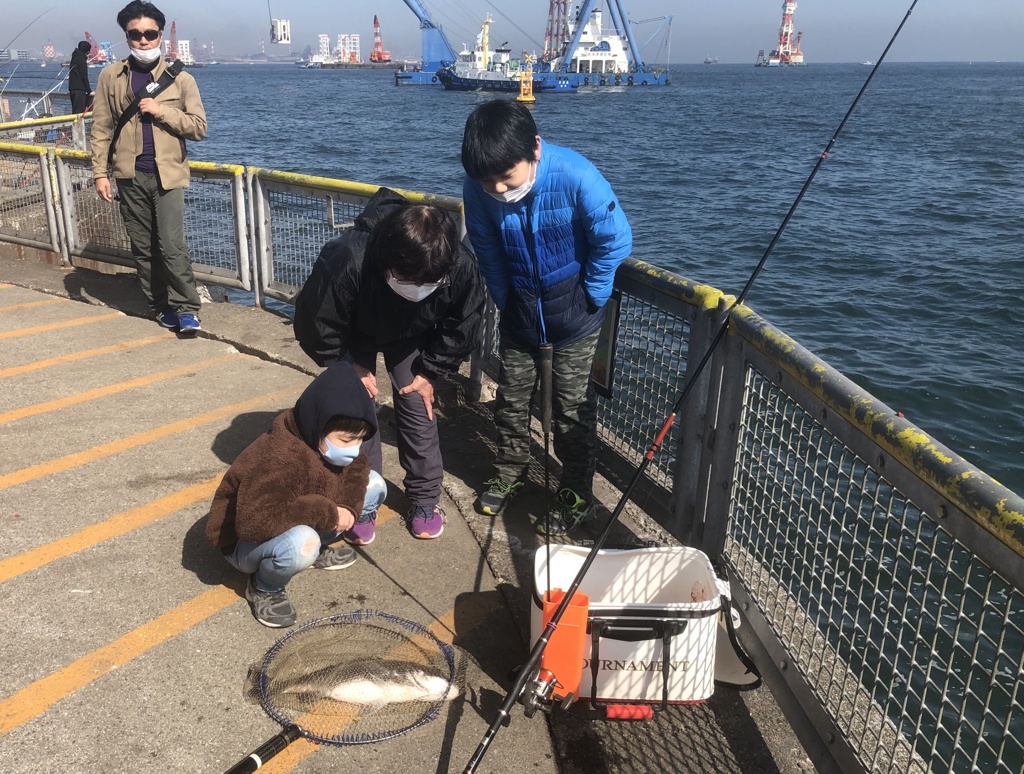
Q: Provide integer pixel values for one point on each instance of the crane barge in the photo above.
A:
(577, 52)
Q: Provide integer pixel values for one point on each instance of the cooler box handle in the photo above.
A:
(666, 630)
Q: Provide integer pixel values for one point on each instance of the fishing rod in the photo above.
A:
(530, 671)
(23, 29)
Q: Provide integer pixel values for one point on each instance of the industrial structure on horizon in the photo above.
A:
(346, 54)
(787, 51)
(378, 54)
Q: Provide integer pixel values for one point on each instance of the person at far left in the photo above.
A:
(148, 159)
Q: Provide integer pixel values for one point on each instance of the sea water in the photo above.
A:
(903, 266)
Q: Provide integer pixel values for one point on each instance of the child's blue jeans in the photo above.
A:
(278, 560)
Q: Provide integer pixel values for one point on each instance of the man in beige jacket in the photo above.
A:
(149, 163)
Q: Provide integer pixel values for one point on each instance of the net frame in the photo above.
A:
(406, 633)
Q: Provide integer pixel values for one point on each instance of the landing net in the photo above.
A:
(357, 678)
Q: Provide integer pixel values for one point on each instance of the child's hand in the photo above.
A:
(345, 519)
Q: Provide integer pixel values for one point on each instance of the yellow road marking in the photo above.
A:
(472, 612)
(116, 525)
(58, 325)
(35, 699)
(110, 389)
(115, 447)
(70, 358)
(31, 304)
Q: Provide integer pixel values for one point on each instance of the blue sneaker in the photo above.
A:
(188, 324)
(168, 318)
(425, 523)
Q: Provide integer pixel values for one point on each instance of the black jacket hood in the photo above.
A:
(379, 206)
(335, 392)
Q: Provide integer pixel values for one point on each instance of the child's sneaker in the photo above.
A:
(188, 324)
(363, 531)
(270, 608)
(569, 513)
(425, 523)
(168, 318)
(336, 557)
(497, 496)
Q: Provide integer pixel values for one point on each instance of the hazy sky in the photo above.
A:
(732, 30)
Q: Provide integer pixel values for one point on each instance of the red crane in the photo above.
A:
(172, 45)
(94, 51)
(378, 54)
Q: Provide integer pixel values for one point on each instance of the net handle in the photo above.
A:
(266, 751)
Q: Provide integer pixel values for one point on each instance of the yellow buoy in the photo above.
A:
(526, 80)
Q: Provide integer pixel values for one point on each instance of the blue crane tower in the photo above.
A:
(435, 51)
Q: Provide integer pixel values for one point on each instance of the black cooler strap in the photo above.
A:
(149, 90)
(666, 630)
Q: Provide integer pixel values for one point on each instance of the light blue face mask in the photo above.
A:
(340, 455)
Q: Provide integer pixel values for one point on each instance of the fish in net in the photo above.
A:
(355, 678)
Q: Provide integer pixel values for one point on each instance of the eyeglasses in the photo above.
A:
(138, 35)
(444, 282)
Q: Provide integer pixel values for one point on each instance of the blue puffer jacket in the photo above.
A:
(549, 260)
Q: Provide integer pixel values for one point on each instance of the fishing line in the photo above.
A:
(40, 16)
(546, 361)
(529, 670)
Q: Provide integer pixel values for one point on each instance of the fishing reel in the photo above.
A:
(539, 693)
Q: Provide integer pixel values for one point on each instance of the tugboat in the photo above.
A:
(483, 69)
(710, 60)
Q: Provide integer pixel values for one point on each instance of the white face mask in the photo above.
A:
(513, 195)
(413, 292)
(148, 55)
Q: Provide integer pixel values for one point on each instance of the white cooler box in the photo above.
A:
(640, 601)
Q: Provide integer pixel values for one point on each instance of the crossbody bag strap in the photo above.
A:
(149, 90)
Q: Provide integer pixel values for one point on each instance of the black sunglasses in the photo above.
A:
(138, 35)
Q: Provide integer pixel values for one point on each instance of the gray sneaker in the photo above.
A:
(270, 608)
(570, 512)
(336, 557)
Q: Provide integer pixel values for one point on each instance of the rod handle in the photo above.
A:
(266, 751)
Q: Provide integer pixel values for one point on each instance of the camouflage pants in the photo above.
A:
(574, 412)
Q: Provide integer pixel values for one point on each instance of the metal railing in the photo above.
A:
(18, 104)
(879, 574)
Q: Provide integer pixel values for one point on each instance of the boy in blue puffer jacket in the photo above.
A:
(549, 234)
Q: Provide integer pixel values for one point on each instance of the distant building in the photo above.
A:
(348, 49)
(280, 31)
(15, 55)
(185, 53)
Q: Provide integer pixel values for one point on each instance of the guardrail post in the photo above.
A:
(721, 452)
(721, 432)
(693, 428)
(65, 194)
(258, 217)
(54, 210)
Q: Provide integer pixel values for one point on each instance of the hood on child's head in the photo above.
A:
(335, 392)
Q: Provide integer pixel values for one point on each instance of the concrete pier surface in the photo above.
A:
(125, 637)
